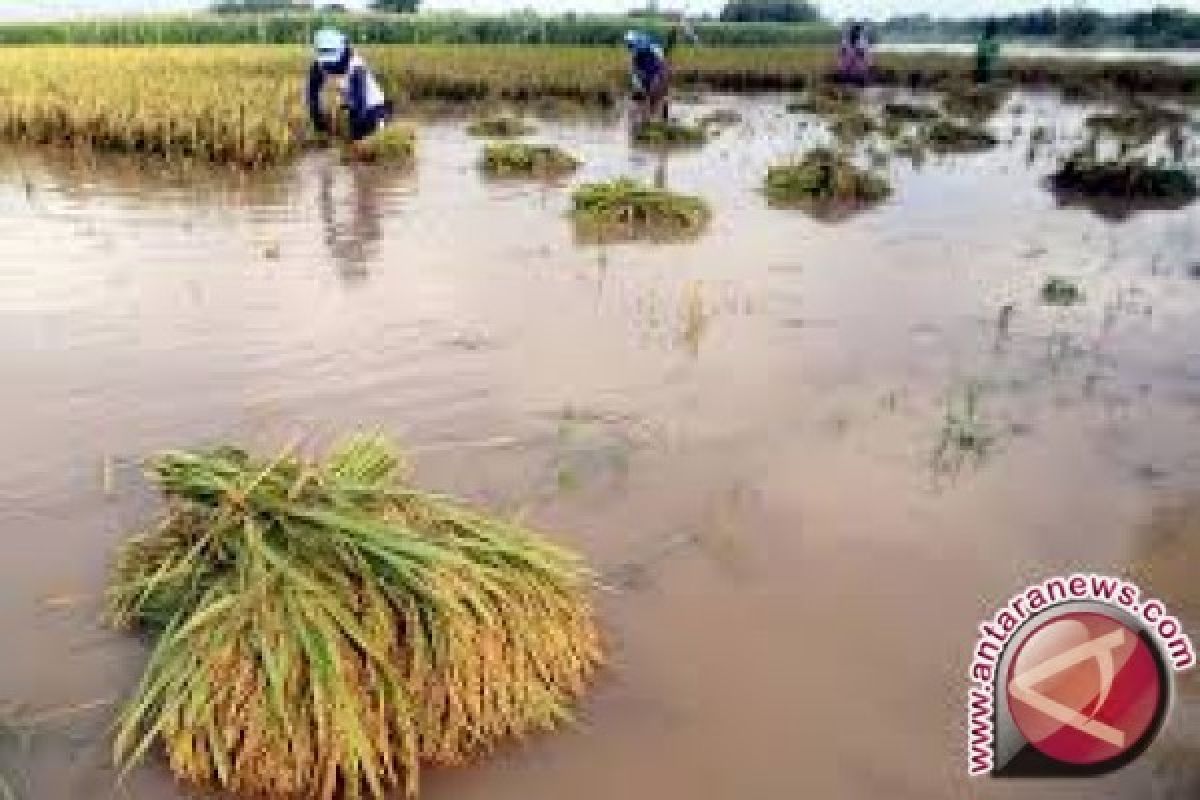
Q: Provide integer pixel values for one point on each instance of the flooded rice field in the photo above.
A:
(807, 457)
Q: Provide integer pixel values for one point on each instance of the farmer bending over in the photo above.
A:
(650, 74)
(651, 69)
(854, 55)
(362, 98)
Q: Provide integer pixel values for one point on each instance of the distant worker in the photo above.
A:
(650, 73)
(364, 102)
(651, 70)
(854, 55)
(987, 53)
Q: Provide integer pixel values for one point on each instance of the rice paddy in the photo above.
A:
(322, 629)
(522, 160)
(1138, 124)
(625, 209)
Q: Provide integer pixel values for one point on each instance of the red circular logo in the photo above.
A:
(1084, 688)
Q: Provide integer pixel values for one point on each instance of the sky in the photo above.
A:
(838, 8)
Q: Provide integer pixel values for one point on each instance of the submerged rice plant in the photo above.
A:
(1059, 291)
(321, 629)
(626, 209)
(946, 136)
(906, 112)
(1124, 179)
(668, 133)
(1139, 124)
(824, 182)
(503, 125)
(517, 159)
(974, 102)
(394, 144)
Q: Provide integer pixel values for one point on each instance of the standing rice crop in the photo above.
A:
(322, 629)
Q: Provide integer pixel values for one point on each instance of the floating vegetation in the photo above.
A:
(965, 435)
(670, 134)
(626, 209)
(322, 628)
(519, 160)
(393, 144)
(913, 148)
(1058, 291)
(824, 182)
(1138, 124)
(946, 136)
(824, 99)
(502, 125)
(1126, 179)
(974, 102)
(906, 112)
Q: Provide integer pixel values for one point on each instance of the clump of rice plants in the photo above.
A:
(518, 159)
(322, 628)
(501, 125)
(626, 209)
(1138, 124)
(974, 102)
(392, 144)
(906, 112)
(824, 181)
(1059, 291)
(946, 136)
(668, 133)
(852, 125)
(1125, 179)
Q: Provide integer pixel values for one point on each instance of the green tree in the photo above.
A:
(770, 11)
(399, 6)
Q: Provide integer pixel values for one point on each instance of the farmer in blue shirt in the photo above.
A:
(362, 98)
(651, 75)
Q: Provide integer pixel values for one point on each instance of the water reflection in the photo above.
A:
(352, 224)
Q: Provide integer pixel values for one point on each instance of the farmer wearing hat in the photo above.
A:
(365, 104)
(651, 69)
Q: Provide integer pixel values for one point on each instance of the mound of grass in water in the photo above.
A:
(626, 209)
(1130, 179)
(393, 144)
(1058, 291)
(974, 102)
(824, 181)
(852, 125)
(517, 159)
(503, 125)
(670, 134)
(824, 99)
(906, 112)
(946, 136)
(322, 628)
(1138, 124)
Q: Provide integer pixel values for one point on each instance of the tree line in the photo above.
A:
(1160, 27)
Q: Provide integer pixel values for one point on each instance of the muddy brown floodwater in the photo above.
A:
(747, 434)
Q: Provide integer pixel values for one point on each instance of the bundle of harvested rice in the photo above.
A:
(393, 144)
(517, 159)
(501, 125)
(321, 628)
(670, 134)
(1127, 179)
(824, 181)
(945, 136)
(626, 209)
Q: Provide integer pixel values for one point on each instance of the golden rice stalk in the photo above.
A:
(322, 629)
